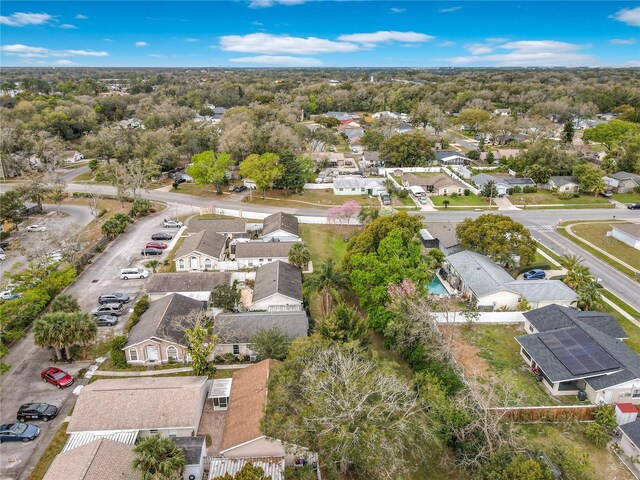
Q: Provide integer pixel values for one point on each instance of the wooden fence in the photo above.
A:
(552, 414)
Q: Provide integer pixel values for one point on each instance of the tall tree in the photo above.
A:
(200, 344)
(473, 118)
(210, 168)
(345, 324)
(12, 207)
(611, 132)
(426, 114)
(328, 281)
(65, 303)
(225, 297)
(263, 169)
(272, 343)
(407, 150)
(299, 255)
(296, 171)
(568, 131)
(158, 458)
(63, 330)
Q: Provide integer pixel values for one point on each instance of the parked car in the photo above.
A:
(159, 245)
(386, 200)
(18, 432)
(241, 188)
(422, 200)
(634, 206)
(37, 411)
(9, 295)
(5, 244)
(57, 377)
(3, 255)
(127, 273)
(232, 188)
(113, 298)
(607, 194)
(180, 180)
(161, 236)
(36, 228)
(108, 309)
(151, 251)
(172, 224)
(535, 274)
(106, 320)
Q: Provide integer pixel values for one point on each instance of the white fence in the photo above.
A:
(227, 266)
(318, 186)
(482, 317)
(389, 171)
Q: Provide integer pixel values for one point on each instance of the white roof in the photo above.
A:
(128, 437)
(415, 189)
(221, 388)
(357, 182)
(273, 467)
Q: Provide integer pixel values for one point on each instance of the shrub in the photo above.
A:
(402, 193)
(140, 208)
(605, 416)
(454, 195)
(529, 189)
(597, 434)
(141, 306)
(516, 189)
(565, 196)
(118, 357)
(467, 192)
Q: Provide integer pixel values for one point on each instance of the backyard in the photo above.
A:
(326, 241)
(490, 354)
(549, 198)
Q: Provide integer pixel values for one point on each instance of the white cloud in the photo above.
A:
(21, 19)
(623, 41)
(398, 10)
(279, 61)
(446, 43)
(273, 44)
(66, 63)
(630, 16)
(191, 40)
(26, 51)
(271, 3)
(157, 55)
(542, 53)
(370, 39)
(632, 63)
(478, 48)
(81, 17)
(257, 24)
(141, 44)
(449, 10)
(68, 26)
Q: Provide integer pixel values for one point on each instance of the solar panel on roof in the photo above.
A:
(577, 351)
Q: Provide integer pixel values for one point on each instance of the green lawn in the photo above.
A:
(549, 198)
(497, 346)
(627, 197)
(84, 177)
(596, 233)
(307, 197)
(461, 200)
(326, 241)
(54, 448)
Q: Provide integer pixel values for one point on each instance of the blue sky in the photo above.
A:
(319, 33)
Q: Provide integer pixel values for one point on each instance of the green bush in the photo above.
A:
(529, 189)
(565, 196)
(454, 195)
(402, 193)
(141, 207)
(141, 306)
(118, 357)
(467, 192)
(4, 368)
(597, 434)
(605, 416)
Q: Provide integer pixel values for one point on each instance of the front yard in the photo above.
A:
(308, 198)
(596, 233)
(627, 197)
(461, 201)
(549, 198)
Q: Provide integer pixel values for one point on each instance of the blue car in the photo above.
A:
(18, 432)
(535, 274)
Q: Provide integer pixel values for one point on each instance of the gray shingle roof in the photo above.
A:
(192, 447)
(625, 176)
(479, 272)
(444, 181)
(187, 281)
(280, 221)
(632, 430)
(519, 181)
(562, 180)
(219, 225)
(162, 319)
(542, 290)
(263, 249)
(632, 229)
(445, 233)
(278, 277)
(206, 242)
(482, 179)
(552, 317)
(240, 327)
(440, 154)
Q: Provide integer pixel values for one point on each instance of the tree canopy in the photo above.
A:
(263, 169)
(210, 167)
(407, 150)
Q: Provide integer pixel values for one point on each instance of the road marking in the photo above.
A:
(540, 227)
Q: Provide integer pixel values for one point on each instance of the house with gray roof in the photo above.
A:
(581, 351)
(451, 157)
(563, 183)
(490, 287)
(348, 185)
(441, 235)
(277, 288)
(158, 337)
(630, 440)
(628, 233)
(256, 254)
(197, 285)
(225, 226)
(482, 179)
(622, 182)
(235, 330)
(200, 252)
(280, 227)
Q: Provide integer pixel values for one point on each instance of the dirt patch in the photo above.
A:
(466, 355)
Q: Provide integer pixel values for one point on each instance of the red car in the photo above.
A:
(156, 245)
(57, 377)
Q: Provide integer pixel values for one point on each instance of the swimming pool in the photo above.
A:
(437, 288)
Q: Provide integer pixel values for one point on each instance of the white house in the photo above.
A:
(72, 156)
(200, 251)
(256, 254)
(277, 288)
(482, 179)
(564, 184)
(358, 186)
(280, 227)
(628, 233)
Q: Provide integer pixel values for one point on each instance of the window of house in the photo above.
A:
(207, 263)
(236, 349)
(341, 189)
(172, 352)
(635, 393)
(133, 354)
(251, 263)
(154, 432)
(270, 259)
(261, 260)
(445, 191)
(181, 263)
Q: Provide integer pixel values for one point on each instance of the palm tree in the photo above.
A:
(446, 204)
(158, 458)
(327, 281)
(368, 214)
(588, 296)
(153, 265)
(81, 330)
(47, 332)
(65, 303)
(63, 330)
(577, 273)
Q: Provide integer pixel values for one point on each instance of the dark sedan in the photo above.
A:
(57, 377)
(151, 251)
(37, 411)
(18, 432)
(161, 236)
(634, 206)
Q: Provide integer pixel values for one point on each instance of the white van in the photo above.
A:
(127, 273)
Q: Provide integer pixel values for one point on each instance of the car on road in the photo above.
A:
(108, 309)
(127, 273)
(535, 274)
(36, 228)
(9, 295)
(634, 206)
(151, 251)
(18, 432)
(172, 224)
(113, 298)
(57, 377)
(422, 200)
(159, 245)
(37, 411)
(233, 188)
(106, 320)
(161, 236)
(5, 244)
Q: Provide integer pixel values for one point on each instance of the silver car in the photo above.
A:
(108, 309)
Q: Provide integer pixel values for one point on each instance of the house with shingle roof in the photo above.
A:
(242, 436)
(225, 226)
(441, 235)
(563, 183)
(201, 251)
(256, 254)
(280, 227)
(628, 233)
(581, 351)
(622, 182)
(158, 336)
(277, 288)
(197, 285)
